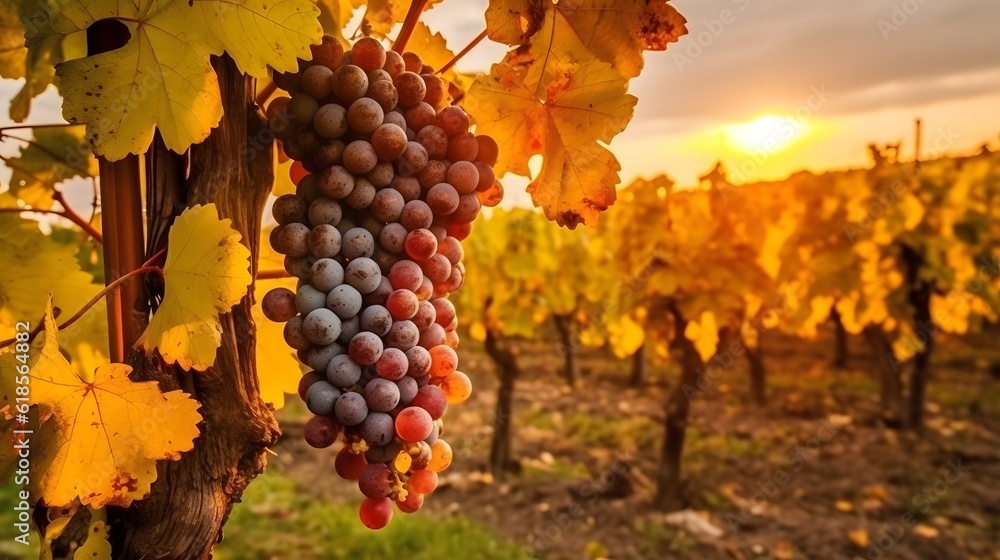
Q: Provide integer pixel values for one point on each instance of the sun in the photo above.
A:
(767, 134)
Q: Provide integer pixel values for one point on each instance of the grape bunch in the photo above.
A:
(388, 182)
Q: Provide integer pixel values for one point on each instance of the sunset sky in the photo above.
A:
(784, 85)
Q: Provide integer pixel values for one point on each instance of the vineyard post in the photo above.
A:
(920, 292)
(841, 356)
(567, 338)
(640, 367)
(507, 368)
(891, 391)
(758, 373)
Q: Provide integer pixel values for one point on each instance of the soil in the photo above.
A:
(813, 474)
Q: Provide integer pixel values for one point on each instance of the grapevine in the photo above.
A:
(388, 182)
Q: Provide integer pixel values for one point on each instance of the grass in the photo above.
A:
(279, 520)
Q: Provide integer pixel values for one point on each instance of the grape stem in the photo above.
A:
(34, 126)
(93, 301)
(472, 44)
(409, 24)
(272, 274)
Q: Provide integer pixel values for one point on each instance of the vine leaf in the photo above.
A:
(56, 154)
(625, 336)
(704, 334)
(383, 15)
(559, 101)
(514, 22)
(162, 76)
(336, 14)
(207, 272)
(100, 438)
(277, 369)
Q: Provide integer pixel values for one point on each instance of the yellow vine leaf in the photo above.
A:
(559, 101)
(514, 22)
(625, 336)
(207, 272)
(162, 77)
(12, 49)
(334, 15)
(383, 15)
(704, 334)
(103, 438)
(96, 547)
(432, 47)
(56, 154)
(618, 31)
(278, 371)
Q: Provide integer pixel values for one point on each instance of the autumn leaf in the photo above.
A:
(618, 31)
(12, 49)
(162, 77)
(54, 155)
(559, 101)
(432, 47)
(514, 22)
(206, 273)
(278, 371)
(704, 334)
(625, 336)
(383, 15)
(335, 14)
(103, 437)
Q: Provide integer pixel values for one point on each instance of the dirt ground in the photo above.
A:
(814, 474)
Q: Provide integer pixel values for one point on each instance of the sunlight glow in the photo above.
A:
(767, 134)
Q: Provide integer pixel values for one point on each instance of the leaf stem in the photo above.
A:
(77, 219)
(472, 44)
(272, 274)
(155, 257)
(409, 24)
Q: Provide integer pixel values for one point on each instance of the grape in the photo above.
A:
(406, 275)
(289, 208)
(423, 380)
(325, 211)
(377, 429)
(423, 481)
(459, 231)
(435, 433)
(437, 269)
(358, 242)
(330, 121)
(277, 109)
(368, 53)
(457, 387)
(327, 274)
(468, 208)
(349, 83)
(425, 315)
(324, 241)
(376, 481)
(435, 90)
(363, 274)
(366, 348)
(464, 176)
(328, 52)
(444, 360)
(454, 281)
(409, 187)
(403, 335)
(431, 398)
(433, 336)
(434, 140)
(349, 328)
(381, 175)
(419, 361)
(384, 259)
(452, 249)
(382, 395)
(307, 381)
(351, 409)
(375, 514)
(349, 466)
(425, 290)
(321, 431)
(360, 157)
(321, 327)
(443, 199)
(394, 64)
(376, 319)
(410, 87)
(383, 93)
(308, 188)
(420, 245)
(383, 453)
(420, 115)
(453, 120)
(413, 424)
(396, 117)
(420, 453)
(413, 62)
(407, 389)
(319, 357)
(402, 304)
(342, 371)
(380, 294)
(321, 398)
(416, 214)
(441, 456)
(392, 236)
(387, 205)
(309, 299)
(344, 301)
(365, 115)
(413, 502)
(302, 109)
(279, 304)
(336, 182)
(389, 142)
(444, 311)
(392, 364)
(299, 267)
(413, 159)
(463, 147)
(362, 195)
(291, 239)
(316, 81)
